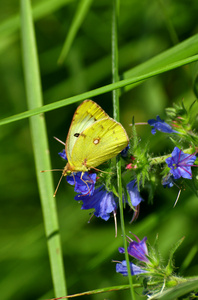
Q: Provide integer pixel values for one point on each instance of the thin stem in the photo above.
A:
(115, 78)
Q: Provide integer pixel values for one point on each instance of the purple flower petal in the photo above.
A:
(63, 154)
(138, 250)
(84, 184)
(168, 181)
(160, 125)
(121, 250)
(102, 201)
(124, 152)
(121, 267)
(134, 193)
(180, 164)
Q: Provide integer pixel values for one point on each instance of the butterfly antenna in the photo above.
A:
(51, 170)
(58, 185)
(59, 140)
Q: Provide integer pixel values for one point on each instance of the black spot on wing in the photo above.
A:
(76, 134)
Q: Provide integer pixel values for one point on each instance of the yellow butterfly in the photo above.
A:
(93, 138)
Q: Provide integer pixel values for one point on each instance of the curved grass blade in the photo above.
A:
(171, 56)
(96, 92)
(81, 12)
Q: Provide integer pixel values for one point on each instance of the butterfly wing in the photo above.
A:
(85, 115)
(99, 142)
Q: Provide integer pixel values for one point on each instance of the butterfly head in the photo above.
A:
(68, 170)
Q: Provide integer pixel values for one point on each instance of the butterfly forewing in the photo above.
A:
(85, 115)
(99, 142)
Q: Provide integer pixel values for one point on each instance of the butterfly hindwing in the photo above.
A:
(98, 143)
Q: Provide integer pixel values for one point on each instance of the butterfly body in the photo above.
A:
(93, 138)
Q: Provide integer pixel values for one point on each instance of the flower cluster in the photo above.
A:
(103, 201)
(95, 193)
(179, 163)
(99, 192)
(139, 251)
(148, 264)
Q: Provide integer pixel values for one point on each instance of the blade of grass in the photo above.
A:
(195, 79)
(79, 17)
(40, 147)
(41, 9)
(96, 92)
(171, 56)
(188, 258)
(115, 78)
(169, 23)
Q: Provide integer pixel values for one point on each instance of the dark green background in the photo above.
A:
(88, 248)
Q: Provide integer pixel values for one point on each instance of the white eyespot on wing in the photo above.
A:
(96, 141)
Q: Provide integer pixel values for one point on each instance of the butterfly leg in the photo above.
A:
(81, 177)
(58, 184)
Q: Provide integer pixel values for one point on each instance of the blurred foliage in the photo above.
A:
(146, 28)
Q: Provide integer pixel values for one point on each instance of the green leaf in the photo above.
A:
(169, 267)
(81, 12)
(40, 147)
(39, 10)
(98, 91)
(195, 83)
(177, 291)
(179, 52)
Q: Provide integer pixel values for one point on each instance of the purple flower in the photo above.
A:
(84, 182)
(180, 164)
(124, 152)
(121, 267)
(137, 249)
(168, 181)
(160, 125)
(134, 193)
(63, 154)
(102, 201)
(135, 198)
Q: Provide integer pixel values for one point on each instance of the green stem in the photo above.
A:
(41, 150)
(161, 159)
(115, 78)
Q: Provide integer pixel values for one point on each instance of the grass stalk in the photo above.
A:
(99, 91)
(40, 147)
